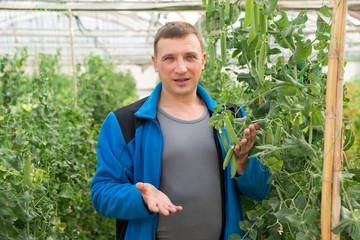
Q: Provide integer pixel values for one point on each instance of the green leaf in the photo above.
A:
(23, 214)
(252, 215)
(266, 147)
(67, 192)
(235, 236)
(300, 19)
(353, 191)
(302, 50)
(322, 26)
(349, 139)
(301, 236)
(287, 90)
(253, 234)
(310, 216)
(271, 178)
(288, 31)
(245, 225)
(305, 147)
(325, 11)
(282, 214)
(15, 162)
(344, 223)
(218, 108)
(275, 164)
(294, 221)
(260, 222)
(271, 8)
(6, 211)
(300, 202)
(318, 118)
(274, 203)
(283, 22)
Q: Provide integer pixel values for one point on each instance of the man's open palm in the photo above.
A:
(156, 200)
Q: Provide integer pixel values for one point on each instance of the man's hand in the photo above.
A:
(156, 200)
(242, 152)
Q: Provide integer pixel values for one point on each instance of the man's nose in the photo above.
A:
(180, 66)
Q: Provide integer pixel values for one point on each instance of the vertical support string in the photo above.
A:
(73, 56)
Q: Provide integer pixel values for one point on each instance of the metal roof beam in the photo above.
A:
(153, 6)
(104, 6)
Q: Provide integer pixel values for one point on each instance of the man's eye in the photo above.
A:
(190, 57)
(169, 58)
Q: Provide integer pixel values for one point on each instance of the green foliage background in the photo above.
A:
(268, 65)
(50, 197)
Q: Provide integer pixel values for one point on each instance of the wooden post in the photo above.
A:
(338, 147)
(332, 127)
(73, 56)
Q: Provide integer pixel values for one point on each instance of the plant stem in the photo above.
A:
(287, 43)
(310, 129)
(280, 196)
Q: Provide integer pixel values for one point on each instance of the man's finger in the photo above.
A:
(257, 126)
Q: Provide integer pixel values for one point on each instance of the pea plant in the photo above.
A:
(48, 147)
(274, 71)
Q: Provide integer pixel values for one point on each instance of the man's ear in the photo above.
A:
(203, 60)
(153, 58)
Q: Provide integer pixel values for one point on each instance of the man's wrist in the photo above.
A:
(242, 164)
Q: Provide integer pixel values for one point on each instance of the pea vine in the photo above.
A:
(270, 67)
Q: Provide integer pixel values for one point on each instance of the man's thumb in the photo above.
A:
(140, 186)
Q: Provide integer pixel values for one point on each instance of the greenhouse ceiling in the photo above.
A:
(121, 31)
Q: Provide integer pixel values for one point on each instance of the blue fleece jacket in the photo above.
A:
(129, 150)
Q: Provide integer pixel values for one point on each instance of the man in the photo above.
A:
(159, 169)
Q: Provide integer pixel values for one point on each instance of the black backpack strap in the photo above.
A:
(236, 110)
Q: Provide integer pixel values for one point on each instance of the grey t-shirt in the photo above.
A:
(190, 177)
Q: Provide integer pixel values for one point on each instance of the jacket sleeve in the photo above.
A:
(253, 183)
(113, 192)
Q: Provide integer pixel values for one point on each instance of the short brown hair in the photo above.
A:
(176, 29)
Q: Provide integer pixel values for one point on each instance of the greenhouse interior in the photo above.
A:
(293, 66)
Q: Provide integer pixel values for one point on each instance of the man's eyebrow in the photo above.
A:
(172, 54)
(167, 55)
(191, 53)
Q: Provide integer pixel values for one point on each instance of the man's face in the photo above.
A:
(179, 63)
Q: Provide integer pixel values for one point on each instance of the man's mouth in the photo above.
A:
(182, 79)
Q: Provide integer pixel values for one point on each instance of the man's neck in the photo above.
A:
(187, 107)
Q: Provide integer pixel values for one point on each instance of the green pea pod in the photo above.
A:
(263, 23)
(223, 140)
(256, 16)
(233, 165)
(208, 22)
(231, 133)
(229, 154)
(212, 55)
(277, 135)
(254, 22)
(27, 172)
(231, 13)
(210, 6)
(248, 13)
(291, 80)
(204, 3)
(223, 48)
(269, 136)
(222, 17)
(227, 8)
(261, 61)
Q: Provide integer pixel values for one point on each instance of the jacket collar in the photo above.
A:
(149, 108)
